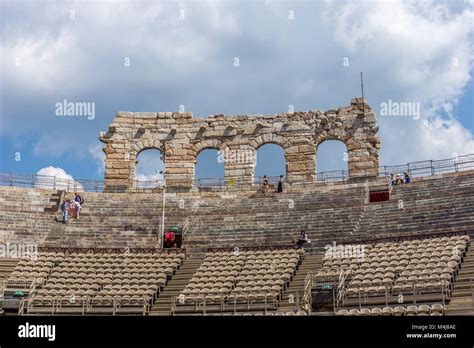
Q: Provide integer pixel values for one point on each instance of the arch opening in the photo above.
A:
(332, 161)
(209, 169)
(270, 161)
(149, 169)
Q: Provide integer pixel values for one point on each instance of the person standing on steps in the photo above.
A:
(79, 198)
(265, 184)
(64, 210)
(77, 209)
(280, 184)
(78, 202)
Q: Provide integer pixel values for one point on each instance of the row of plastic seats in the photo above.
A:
(412, 310)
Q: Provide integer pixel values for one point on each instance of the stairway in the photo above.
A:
(296, 287)
(177, 283)
(7, 265)
(55, 200)
(462, 301)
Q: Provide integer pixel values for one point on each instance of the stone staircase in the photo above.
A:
(293, 294)
(56, 200)
(162, 305)
(462, 301)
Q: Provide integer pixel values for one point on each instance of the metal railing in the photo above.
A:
(85, 305)
(201, 303)
(414, 169)
(415, 293)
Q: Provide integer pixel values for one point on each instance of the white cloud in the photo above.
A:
(98, 155)
(41, 63)
(443, 138)
(56, 178)
(409, 51)
(419, 52)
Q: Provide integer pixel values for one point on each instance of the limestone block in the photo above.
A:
(306, 148)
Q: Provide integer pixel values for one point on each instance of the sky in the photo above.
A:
(163, 55)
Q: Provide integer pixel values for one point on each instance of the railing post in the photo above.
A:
(204, 305)
(432, 168)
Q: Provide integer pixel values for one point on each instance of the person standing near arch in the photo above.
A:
(280, 184)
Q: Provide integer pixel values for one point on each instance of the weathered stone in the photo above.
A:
(299, 133)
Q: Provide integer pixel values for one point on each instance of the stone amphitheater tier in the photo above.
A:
(338, 213)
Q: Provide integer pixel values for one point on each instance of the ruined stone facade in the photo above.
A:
(182, 137)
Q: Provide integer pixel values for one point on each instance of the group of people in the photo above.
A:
(266, 184)
(400, 179)
(72, 207)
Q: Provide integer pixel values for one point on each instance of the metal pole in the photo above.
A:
(164, 197)
(163, 219)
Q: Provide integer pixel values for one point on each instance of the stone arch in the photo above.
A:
(196, 148)
(321, 138)
(143, 145)
(270, 138)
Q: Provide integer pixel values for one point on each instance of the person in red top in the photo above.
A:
(169, 239)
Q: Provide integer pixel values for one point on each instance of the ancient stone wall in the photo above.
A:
(182, 137)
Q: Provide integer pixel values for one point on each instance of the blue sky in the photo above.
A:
(305, 54)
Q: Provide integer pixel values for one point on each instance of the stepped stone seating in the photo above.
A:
(24, 214)
(96, 282)
(427, 205)
(215, 220)
(277, 219)
(241, 277)
(435, 204)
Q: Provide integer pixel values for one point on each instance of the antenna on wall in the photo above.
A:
(362, 90)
